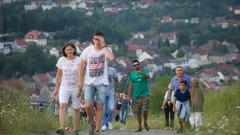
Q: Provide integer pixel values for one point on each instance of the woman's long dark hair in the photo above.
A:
(66, 45)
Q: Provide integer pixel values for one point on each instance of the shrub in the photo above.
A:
(17, 117)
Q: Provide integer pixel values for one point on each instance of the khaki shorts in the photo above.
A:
(141, 104)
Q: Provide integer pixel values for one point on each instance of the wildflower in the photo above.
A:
(222, 126)
(226, 120)
(210, 131)
(234, 132)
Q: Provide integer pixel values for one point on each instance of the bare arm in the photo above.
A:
(129, 90)
(174, 104)
(81, 73)
(144, 75)
(109, 55)
(57, 82)
(164, 102)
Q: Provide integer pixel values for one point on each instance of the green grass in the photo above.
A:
(222, 110)
(18, 118)
(221, 114)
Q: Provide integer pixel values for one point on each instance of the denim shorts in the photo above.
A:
(95, 90)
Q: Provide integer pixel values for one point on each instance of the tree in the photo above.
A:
(180, 53)
(157, 93)
(183, 38)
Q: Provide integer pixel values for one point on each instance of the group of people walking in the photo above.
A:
(90, 75)
(185, 98)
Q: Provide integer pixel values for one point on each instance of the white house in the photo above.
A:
(54, 51)
(82, 5)
(194, 20)
(143, 55)
(49, 6)
(237, 10)
(32, 6)
(5, 47)
(194, 62)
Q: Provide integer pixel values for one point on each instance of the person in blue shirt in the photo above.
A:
(175, 81)
(181, 105)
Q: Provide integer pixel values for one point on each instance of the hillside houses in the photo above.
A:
(20, 45)
(201, 54)
(36, 37)
(138, 41)
(5, 47)
(170, 36)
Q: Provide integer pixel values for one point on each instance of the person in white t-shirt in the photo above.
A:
(66, 86)
(94, 75)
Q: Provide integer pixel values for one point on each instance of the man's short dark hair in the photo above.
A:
(135, 61)
(66, 45)
(98, 33)
(184, 81)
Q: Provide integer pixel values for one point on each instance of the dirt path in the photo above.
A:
(127, 132)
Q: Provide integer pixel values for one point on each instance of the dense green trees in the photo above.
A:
(34, 60)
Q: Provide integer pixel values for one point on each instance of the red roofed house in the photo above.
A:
(36, 37)
(20, 45)
(166, 19)
(150, 2)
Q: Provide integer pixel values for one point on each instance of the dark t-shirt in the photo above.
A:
(124, 104)
(182, 97)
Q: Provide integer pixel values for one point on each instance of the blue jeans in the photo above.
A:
(95, 90)
(123, 115)
(108, 112)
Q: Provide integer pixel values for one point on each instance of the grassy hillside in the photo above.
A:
(221, 113)
(222, 110)
(18, 118)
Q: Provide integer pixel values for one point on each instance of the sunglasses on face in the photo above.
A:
(135, 65)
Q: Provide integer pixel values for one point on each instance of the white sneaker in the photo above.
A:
(110, 125)
(104, 127)
(124, 127)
